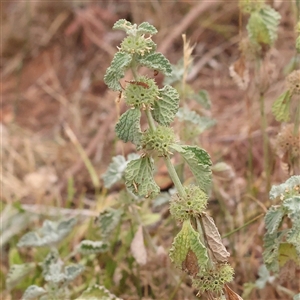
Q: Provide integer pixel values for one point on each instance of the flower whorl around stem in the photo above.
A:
(193, 204)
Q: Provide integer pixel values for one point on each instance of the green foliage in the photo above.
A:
(139, 177)
(282, 244)
(158, 62)
(199, 163)
(281, 107)
(97, 292)
(87, 247)
(116, 169)
(17, 273)
(188, 240)
(262, 26)
(50, 233)
(166, 107)
(128, 127)
(33, 292)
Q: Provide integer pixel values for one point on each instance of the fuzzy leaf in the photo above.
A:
(287, 252)
(202, 98)
(287, 189)
(116, 169)
(128, 127)
(293, 237)
(262, 26)
(264, 276)
(199, 163)
(17, 273)
(270, 253)
(122, 24)
(139, 177)
(73, 271)
(185, 241)
(273, 218)
(145, 28)
(51, 258)
(292, 205)
(108, 221)
(297, 297)
(202, 122)
(32, 292)
(166, 107)
(117, 69)
(87, 247)
(97, 292)
(51, 233)
(156, 61)
(281, 107)
(214, 239)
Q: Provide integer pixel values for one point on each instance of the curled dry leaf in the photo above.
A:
(214, 239)
(137, 247)
(231, 295)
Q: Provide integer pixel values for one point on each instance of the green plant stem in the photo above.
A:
(241, 227)
(174, 176)
(265, 139)
(150, 120)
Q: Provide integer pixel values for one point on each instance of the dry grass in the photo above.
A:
(54, 59)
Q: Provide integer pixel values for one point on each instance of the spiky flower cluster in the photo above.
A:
(137, 45)
(158, 140)
(293, 82)
(214, 280)
(288, 142)
(141, 93)
(193, 204)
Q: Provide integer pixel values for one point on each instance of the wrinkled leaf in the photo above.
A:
(156, 61)
(17, 273)
(116, 169)
(214, 239)
(32, 292)
(199, 163)
(97, 292)
(128, 128)
(50, 233)
(87, 247)
(166, 107)
(287, 189)
(273, 218)
(146, 28)
(117, 69)
(139, 177)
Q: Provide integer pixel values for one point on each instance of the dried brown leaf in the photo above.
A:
(214, 239)
(138, 248)
(231, 295)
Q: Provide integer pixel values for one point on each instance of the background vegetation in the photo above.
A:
(57, 127)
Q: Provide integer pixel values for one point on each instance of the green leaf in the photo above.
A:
(51, 233)
(262, 25)
(188, 240)
(128, 128)
(145, 28)
(139, 177)
(297, 297)
(264, 277)
(273, 218)
(166, 107)
(116, 71)
(108, 220)
(292, 205)
(116, 169)
(270, 253)
(156, 61)
(286, 189)
(73, 271)
(203, 123)
(87, 247)
(125, 25)
(97, 292)
(293, 237)
(199, 163)
(32, 292)
(286, 253)
(281, 107)
(202, 98)
(51, 258)
(17, 273)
